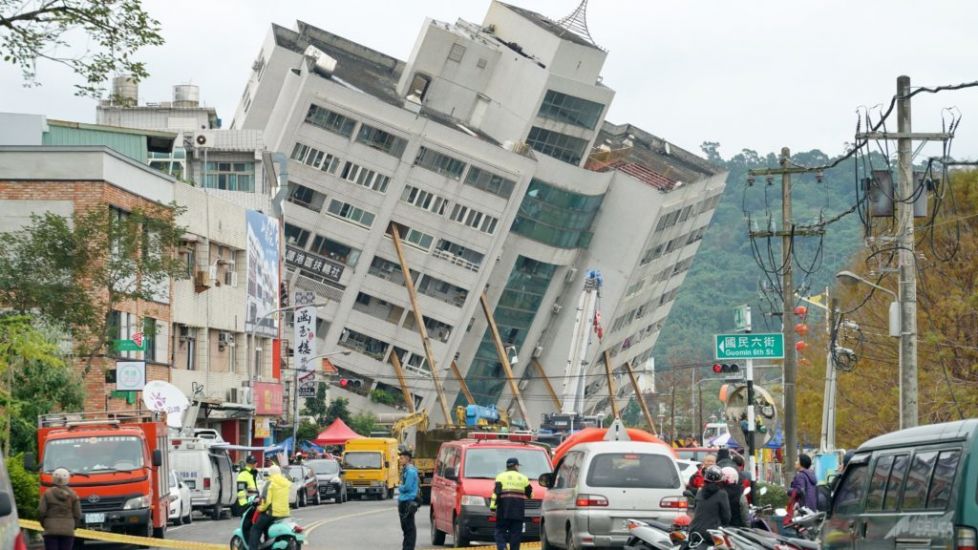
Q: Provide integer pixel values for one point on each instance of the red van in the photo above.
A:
(464, 478)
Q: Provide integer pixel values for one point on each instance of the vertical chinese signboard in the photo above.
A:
(304, 344)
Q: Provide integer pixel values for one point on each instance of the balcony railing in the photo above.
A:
(457, 260)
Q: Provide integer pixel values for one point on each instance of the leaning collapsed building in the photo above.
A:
(489, 154)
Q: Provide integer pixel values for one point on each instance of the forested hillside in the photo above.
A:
(725, 273)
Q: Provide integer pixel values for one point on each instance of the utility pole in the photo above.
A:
(787, 233)
(672, 415)
(827, 442)
(903, 195)
(906, 261)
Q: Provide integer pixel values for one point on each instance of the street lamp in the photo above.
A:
(850, 278)
(295, 394)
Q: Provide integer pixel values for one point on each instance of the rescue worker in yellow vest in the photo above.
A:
(508, 502)
(246, 484)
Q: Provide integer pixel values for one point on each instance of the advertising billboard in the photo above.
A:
(263, 282)
(268, 398)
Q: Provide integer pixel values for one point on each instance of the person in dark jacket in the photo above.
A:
(804, 487)
(59, 511)
(712, 505)
(508, 503)
(735, 494)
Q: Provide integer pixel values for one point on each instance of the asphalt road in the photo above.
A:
(367, 524)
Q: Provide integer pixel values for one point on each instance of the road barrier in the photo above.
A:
(88, 534)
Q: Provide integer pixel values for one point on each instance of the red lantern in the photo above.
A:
(800, 345)
(801, 310)
(801, 329)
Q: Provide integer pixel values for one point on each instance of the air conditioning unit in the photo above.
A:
(232, 396)
(184, 333)
(571, 275)
(204, 140)
(557, 308)
(225, 338)
(537, 351)
(202, 280)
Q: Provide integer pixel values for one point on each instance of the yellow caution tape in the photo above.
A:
(130, 539)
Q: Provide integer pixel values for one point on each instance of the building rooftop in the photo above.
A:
(552, 26)
(157, 141)
(646, 157)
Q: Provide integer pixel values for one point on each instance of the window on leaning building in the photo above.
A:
(379, 139)
(454, 250)
(424, 200)
(556, 217)
(489, 182)
(569, 149)
(335, 250)
(474, 219)
(330, 120)
(439, 163)
(364, 177)
(296, 235)
(347, 211)
(306, 197)
(230, 176)
(572, 110)
(310, 156)
(418, 238)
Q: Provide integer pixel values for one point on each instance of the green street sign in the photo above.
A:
(127, 345)
(749, 346)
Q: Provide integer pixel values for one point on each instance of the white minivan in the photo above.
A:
(597, 487)
(205, 467)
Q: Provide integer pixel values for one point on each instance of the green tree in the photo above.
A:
(307, 430)
(78, 271)
(364, 423)
(316, 406)
(36, 380)
(338, 408)
(94, 38)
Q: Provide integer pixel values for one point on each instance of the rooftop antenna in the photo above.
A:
(576, 23)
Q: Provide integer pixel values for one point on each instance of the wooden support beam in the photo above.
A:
(546, 381)
(461, 382)
(501, 352)
(419, 321)
(641, 398)
(611, 386)
(408, 398)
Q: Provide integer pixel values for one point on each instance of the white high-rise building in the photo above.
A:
(489, 151)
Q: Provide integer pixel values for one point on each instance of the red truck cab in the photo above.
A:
(118, 468)
(464, 479)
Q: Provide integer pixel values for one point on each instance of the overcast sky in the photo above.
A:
(759, 74)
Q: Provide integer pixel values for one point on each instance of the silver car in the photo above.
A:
(597, 487)
(10, 534)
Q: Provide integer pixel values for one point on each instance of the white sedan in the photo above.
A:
(181, 509)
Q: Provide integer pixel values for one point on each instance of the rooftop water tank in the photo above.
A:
(125, 91)
(186, 95)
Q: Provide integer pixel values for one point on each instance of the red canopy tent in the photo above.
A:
(337, 433)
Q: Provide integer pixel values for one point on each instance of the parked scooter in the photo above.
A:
(655, 535)
(283, 534)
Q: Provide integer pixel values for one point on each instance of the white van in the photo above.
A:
(597, 487)
(205, 467)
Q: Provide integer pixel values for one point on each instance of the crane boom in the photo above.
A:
(574, 380)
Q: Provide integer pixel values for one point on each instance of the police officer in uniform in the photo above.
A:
(246, 484)
(509, 504)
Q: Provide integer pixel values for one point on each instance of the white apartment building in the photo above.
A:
(489, 151)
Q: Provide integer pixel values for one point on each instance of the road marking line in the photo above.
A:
(348, 516)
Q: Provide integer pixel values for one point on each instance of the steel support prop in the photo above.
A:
(501, 352)
(419, 321)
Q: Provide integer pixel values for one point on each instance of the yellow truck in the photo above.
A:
(370, 467)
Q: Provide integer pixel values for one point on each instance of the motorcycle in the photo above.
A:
(655, 535)
(283, 534)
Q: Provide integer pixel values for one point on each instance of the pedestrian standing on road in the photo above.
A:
(804, 488)
(407, 499)
(696, 482)
(508, 502)
(59, 511)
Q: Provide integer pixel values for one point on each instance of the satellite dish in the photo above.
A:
(160, 396)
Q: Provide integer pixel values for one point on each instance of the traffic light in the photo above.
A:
(283, 295)
(351, 383)
(726, 368)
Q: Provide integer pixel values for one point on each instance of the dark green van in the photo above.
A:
(910, 489)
